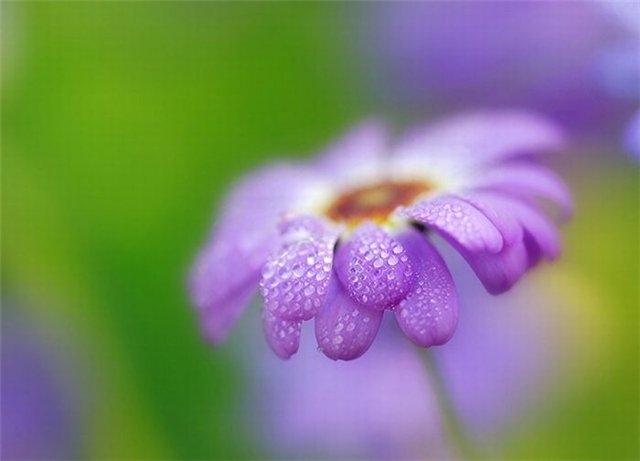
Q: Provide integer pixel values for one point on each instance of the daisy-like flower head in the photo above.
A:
(346, 237)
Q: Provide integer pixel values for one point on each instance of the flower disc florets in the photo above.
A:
(343, 239)
(374, 202)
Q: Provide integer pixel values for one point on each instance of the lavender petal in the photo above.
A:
(484, 136)
(365, 145)
(245, 235)
(458, 222)
(429, 314)
(499, 272)
(222, 283)
(539, 229)
(498, 214)
(374, 268)
(543, 233)
(283, 336)
(295, 278)
(345, 329)
(528, 180)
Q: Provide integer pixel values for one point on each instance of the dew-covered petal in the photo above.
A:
(528, 180)
(345, 329)
(484, 136)
(361, 148)
(244, 236)
(295, 278)
(373, 267)
(296, 226)
(282, 335)
(457, 221)
(429, 314)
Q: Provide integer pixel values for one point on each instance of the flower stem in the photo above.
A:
(459, 438)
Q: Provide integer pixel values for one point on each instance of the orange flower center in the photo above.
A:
(374, 202)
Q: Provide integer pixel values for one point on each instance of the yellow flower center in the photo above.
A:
(374, 202)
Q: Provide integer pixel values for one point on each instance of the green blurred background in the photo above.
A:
(122, 126)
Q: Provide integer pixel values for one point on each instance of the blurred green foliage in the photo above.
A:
(122, 126)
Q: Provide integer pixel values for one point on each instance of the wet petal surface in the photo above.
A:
(429, 314)
(245, 234)
(295, 278)
(457, 221)
(374, 268)
(283, 336)
(345, 329)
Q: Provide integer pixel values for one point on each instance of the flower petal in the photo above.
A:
(298, 226)
(499, 272)
(484, 136)
(243, 238)
(217, 320)
(498, 214)
(282, 335)
(360, 148)
(374, 268)
(295, 278)
(542, 231)
(528, 180)
(221, 284)
(345, 329)
(429, 314)
(256, 204)
(458, 222)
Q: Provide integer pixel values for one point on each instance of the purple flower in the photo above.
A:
(351, 419)
(553, 57)
(38, 418)
(632, 137)
(346, 237)
(499, 370)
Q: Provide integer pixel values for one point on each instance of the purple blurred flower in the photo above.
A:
(36, 419)
(344, 238)
(381, 406)
(504, 363)
(620, 67)
(559, 58)
(632, 137)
